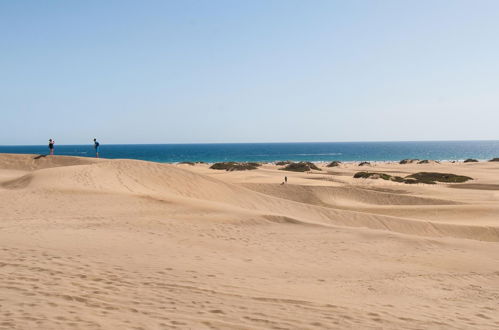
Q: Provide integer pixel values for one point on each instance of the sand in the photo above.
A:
(125, 244)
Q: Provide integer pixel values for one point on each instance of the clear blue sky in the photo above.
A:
(248, 71)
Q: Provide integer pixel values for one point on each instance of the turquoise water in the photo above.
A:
(267, 152)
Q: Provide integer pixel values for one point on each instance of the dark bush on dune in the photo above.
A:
(397, 179)
(432, 177)
(373, 175)
(313, 166)
(408, 161)
(427, 161)
(421, 177)
(363, 175)
(283, 162)
(334, 163)
(494, 160)
(364, 163)
(471, 160)
(413, 181)
(301, 167)
(234, 166)
(187, 163)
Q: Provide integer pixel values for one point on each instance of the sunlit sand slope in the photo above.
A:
(105, 244)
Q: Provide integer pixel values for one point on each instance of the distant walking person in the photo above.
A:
(286, 179)
(51, 146)
(96, 146)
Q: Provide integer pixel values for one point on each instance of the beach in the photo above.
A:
(127, 244)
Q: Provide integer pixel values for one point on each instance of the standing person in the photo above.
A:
(51, 146)
(286, 179)
(96, 146)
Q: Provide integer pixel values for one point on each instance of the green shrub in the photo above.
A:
(364, 163)
(408, 161)
(421, 177)
(432, 177)
(385, 176)
(363, 175)
(235, 166)
(494, 160)
(334, 163)
(301, 167)
(375, 175)
(471, 160)
(397, 179)
(313, 166)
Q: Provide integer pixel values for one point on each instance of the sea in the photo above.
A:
(269, 152)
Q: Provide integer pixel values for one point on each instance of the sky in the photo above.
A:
(216, 71)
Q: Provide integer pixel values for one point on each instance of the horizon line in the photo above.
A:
(291, 142)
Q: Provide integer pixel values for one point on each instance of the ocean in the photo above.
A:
(268, 152)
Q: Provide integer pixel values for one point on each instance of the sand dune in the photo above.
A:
(95, 243)
(36, 162)
(476, 186)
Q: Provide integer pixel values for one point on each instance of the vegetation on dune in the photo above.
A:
(188, 163)
(412, 181)
(283, 162)
(397, 179)
(313, 167)
(363, 175)
(364, 163)
(494, 160)
(421, 177)
(334, 163)
(235, 166)
(471, 160)
(427, 161)
(372, 175)
(408, 161)
(417, 161)
(301, 167)
(432, 177)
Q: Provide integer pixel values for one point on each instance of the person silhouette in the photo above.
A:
(51, 146)
(96, 147)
